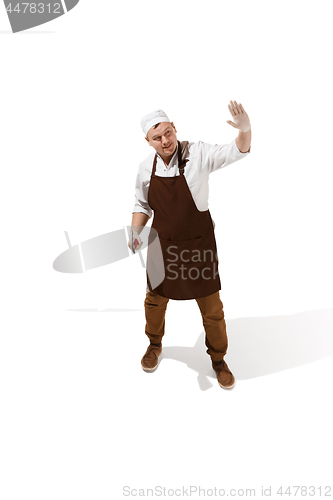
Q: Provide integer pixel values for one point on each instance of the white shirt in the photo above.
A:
(203, 160)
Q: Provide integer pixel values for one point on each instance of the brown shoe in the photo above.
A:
(224, 376)
(149, 361)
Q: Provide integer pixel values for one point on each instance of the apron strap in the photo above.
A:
(154, 166)
(181, 162)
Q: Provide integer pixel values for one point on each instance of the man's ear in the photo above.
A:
(174, 127)
(147, 140)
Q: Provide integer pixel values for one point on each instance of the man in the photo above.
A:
(173, 182)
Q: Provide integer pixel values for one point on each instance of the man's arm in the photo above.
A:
(139, 220)
(215, 157)
(243, 141)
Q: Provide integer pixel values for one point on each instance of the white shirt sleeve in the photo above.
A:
(215, 157)
(141, 196)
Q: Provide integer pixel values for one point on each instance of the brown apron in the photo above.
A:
(186, 236)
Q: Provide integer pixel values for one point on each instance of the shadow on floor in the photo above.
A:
(262, 346)
(94, 309)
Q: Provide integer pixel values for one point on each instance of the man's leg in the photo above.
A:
(216, 340)
(212, 313)
(155, 308)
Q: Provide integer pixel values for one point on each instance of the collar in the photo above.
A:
(173, 161)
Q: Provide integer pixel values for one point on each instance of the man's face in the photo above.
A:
(163, 139)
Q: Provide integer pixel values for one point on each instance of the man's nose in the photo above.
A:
(164, 140)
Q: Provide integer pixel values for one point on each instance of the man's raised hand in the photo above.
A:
(241, 119)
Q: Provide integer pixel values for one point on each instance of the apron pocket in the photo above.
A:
(182, 250)
(188, 259)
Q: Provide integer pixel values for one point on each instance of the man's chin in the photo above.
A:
(169, 151)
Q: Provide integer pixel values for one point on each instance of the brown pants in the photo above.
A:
(211, 309)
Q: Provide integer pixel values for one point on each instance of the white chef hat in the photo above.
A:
(152, 119)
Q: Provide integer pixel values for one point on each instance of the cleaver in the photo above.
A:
(109, 248)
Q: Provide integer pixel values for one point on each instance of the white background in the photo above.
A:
(79, 417)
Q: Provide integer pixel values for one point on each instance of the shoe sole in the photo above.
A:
(226, 386)
(149, 369)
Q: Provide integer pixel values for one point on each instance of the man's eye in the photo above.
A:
(168, 132)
